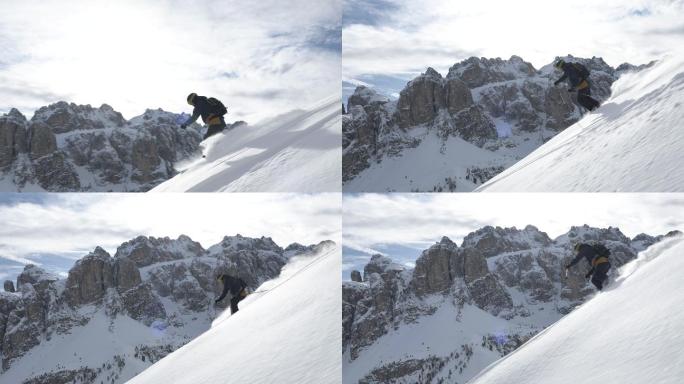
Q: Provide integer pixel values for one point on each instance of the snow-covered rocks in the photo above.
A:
(69, 147)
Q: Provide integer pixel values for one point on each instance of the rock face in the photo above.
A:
(9, 286)
(166, 285)
(69, 147)
(497, 105)
(509, 273)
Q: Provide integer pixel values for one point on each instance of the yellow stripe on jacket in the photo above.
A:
(599, 260)
(582, 85)
(213, 120)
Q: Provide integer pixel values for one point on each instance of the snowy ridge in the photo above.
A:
(288, 333)
(631, 332)
(631, 143)
(295, 152)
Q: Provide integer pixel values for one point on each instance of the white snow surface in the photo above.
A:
(288, 331)
(633, 142)
(296, 152)
(629, 333)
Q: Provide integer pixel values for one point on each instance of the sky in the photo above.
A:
(260, 58)
(402, 225)
(401, 38)
(54, 230)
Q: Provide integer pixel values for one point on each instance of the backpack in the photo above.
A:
(217, 107)
(601, 250)
(582, 70)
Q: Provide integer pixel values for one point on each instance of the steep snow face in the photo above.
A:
(288, 331)
(630, 333)
(295, 152)
(633, 142)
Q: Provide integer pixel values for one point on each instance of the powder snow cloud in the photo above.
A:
(260, 58)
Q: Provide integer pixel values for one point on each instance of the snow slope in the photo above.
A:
(630, 333)
(288, 331)
(295, 152)
(633, 142)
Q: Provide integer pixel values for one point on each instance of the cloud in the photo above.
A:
(49, 229)
(400, 225)
(135, 55)
(439, 33)
(367, 12)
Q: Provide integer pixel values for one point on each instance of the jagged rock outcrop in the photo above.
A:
(507, 272)
(69, 147)
(9, 286)
(494, 104)
(162, 283)
(355, 276)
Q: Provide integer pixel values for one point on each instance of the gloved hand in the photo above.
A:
(556, 82)
(216, 301)
(183, 126)
(588, 275)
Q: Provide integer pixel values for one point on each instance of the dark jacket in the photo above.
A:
(585, 251)
(233, 285)
(572, 74)
(202, 108)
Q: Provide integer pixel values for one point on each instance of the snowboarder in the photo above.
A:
(597, 255)
(211, 110)
(237, 288)
(578, 77)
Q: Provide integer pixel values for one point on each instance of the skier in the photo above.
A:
(237, 288)
(597, 256)
(577, 75)
(211, 110)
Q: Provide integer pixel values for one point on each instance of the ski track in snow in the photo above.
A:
(629, 333)
(295, 152)
(288, 334)
(632, 143)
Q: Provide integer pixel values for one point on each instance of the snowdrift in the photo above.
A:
(630, 333)
(295, 152)
(288, 331)
(633, 142)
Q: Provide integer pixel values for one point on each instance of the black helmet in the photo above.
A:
(559, 64)
(191, 98)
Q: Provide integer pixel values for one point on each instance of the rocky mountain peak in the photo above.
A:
(33, 275)
(491, 241)
(377, 264)
(147, 250)
(239, 242)
(15, 114)
(364, 96)
(476, 72)
(65, 117)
